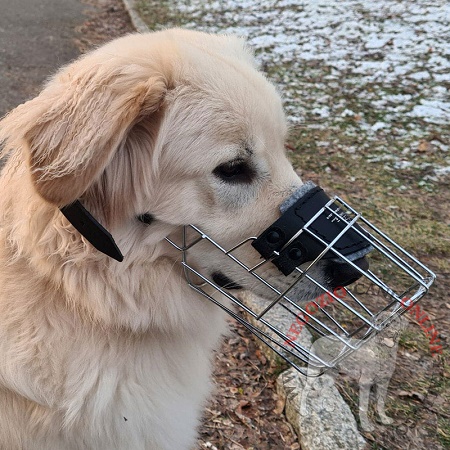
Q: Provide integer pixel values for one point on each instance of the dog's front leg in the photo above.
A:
(381, 394)
(364, 394)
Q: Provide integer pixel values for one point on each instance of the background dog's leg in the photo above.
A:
(364, 394)
(381, 394)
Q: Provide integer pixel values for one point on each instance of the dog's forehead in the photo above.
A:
(221, 67)
(218, 104)
(225, 69)
(225, 122)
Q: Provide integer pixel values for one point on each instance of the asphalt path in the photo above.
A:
(36, 38)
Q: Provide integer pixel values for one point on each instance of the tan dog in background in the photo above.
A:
(97, 354)
(372, 365)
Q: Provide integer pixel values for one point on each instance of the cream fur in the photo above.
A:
(97, 354)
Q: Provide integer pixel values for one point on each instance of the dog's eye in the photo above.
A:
(235, 172)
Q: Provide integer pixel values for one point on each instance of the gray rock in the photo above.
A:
(281, 319)
(321, 419)
(314, 407)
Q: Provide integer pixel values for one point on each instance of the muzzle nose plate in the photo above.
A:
(311, 224)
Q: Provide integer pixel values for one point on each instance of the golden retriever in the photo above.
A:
(100, 354)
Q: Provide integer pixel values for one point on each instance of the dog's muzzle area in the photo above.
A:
(307, 232)
(286, 245)
(323, 270)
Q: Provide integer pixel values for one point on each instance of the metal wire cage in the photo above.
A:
(349, 316)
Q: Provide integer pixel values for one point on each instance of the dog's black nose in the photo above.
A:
(343, 274)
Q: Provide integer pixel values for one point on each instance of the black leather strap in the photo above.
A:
(92, 230)
(306, 247)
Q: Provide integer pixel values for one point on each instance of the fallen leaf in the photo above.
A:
(261, 356)
(424, 146)
(238, 411)
(279, 408)
(412, 394)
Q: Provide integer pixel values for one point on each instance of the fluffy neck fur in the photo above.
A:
(94, 339)
(112, 294)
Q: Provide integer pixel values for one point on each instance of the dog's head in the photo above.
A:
(178, 125)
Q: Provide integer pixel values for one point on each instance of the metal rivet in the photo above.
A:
(273, 236)
(295, 253)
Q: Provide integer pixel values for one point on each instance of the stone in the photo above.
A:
(319, 415)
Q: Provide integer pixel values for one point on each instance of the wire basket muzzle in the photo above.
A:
(344, 317)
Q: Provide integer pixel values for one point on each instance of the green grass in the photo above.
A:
(443, 430)
(413, 339)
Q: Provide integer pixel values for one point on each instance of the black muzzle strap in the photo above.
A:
(297, 211)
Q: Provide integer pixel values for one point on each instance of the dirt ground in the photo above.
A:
(246, 411)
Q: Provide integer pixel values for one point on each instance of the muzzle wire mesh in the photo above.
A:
(349, 316)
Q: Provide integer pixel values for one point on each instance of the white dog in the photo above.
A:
(100, 354)
(372, 365)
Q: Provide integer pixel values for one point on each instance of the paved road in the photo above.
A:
(36, 37)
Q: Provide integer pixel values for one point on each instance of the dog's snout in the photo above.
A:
(343, 274)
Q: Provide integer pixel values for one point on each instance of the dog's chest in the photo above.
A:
(127, 396)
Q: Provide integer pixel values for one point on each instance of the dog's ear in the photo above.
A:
(73, 128)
